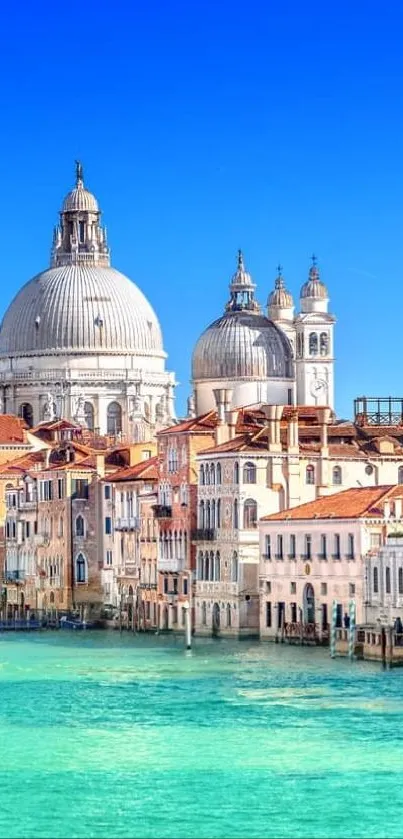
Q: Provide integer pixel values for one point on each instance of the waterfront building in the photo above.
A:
(130, 569)
(276, 358)
(317, 553)
(384, 574)
(80, 340)
(176, 513)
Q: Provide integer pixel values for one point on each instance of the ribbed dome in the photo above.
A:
(79, 309)
(314, 288)
(80, 199)
(280, 297)
(242, 345)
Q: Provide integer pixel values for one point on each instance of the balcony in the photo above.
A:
(41, 540)
(203, 535)
(322, 556)
(278, 556)
(15, 576)
(173, 566)
(28, 504)
(130, 523)
(266, 556)
(162, 511)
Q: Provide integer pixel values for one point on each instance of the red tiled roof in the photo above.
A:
(12, 429)
(146, 470)
(206, 422)
(359, 502)
(23, 464)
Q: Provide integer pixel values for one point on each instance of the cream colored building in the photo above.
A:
(81, 341)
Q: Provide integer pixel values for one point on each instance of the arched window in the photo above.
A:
(249, 473)
(114, 418)
(206, 566)
(236, 515)
(217, 570)
(207, 515)
(337, 476)
(204, 614)
(212, 473)
(324, 343)
(202, 480)
(218, 513)
(211, 578)
(310, 474)
(236, 473)
(213, 513)
(89, 415)
(81, 569)
(79, 526)
(201, 515)
(376, 581)
(387, 580)
(200, 566)
(228, 614)
(313, 343)
(207, 474)
(400, 580)
(218, 473)
(234, 567)
(26, 411)
(400, 475)
(249, 514)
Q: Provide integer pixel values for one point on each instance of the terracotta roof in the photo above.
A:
(146, 470)
(359, 502)
(12, 429)
(206, 422)
(23, 464)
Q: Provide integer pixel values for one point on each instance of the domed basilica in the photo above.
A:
(280, 359)
(81, 341)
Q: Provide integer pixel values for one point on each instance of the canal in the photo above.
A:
(131, 736)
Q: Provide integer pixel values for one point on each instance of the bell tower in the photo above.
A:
(314, 343)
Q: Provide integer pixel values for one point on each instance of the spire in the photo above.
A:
(242, 289)
(79, 173)
(314, 271)
(279, 282)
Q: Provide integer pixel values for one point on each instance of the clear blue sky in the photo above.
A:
(207, 126)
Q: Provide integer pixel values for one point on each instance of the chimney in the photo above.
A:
(324, 415)
(273, 414)
(100, 465)
(292, 431)
(223, 399)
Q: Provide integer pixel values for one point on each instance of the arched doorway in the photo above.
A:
(26, 412)
(165, 618)
(309, 604)
(216, 619)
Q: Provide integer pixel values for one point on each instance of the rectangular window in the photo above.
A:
(293, 611)
(376, 540)
(336, 553)
(27, 529)
(280, 614)
(324, 615)
(351, 589)
(268, 587)
(45, 491)
(60, 488)
(175, 585)
(350, 543)
(185, 585)
(109, 557)
(108, 525)
(387, 580)
(293, 546)
(267, 548)
(79, 488)
(148, 606)
(339, 615)
(323, 546)
(293, 588)
(268, 613)
(107, 492)
(165, 585)
(308, 546)
(279, 554)
(323, 588)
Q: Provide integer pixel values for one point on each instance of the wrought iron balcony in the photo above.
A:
(162, 511)
(128, 523)
(203, 535)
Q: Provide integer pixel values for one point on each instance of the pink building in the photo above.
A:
(314, 554)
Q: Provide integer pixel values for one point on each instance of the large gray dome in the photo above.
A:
(242, 344)
(80, 308)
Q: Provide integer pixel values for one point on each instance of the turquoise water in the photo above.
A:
(104, 736)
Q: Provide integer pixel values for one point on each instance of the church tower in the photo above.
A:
(314, 343)
(280, 308)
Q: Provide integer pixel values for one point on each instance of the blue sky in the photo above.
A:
(208, 126)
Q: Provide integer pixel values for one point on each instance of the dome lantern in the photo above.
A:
(80, 237)
(242, 290)
(314, 295)
(280, 305)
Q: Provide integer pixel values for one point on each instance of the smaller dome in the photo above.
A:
(80, 199)
(280, 297)
(241, 278)
(314, 288)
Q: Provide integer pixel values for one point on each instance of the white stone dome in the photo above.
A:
(80, 198)
(314, 288)
(242, 345)
(80, 308)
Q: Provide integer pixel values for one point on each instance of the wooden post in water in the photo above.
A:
(383, 646)
(351, 631)
(333, 630)
(390, 646)
(188, 628)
